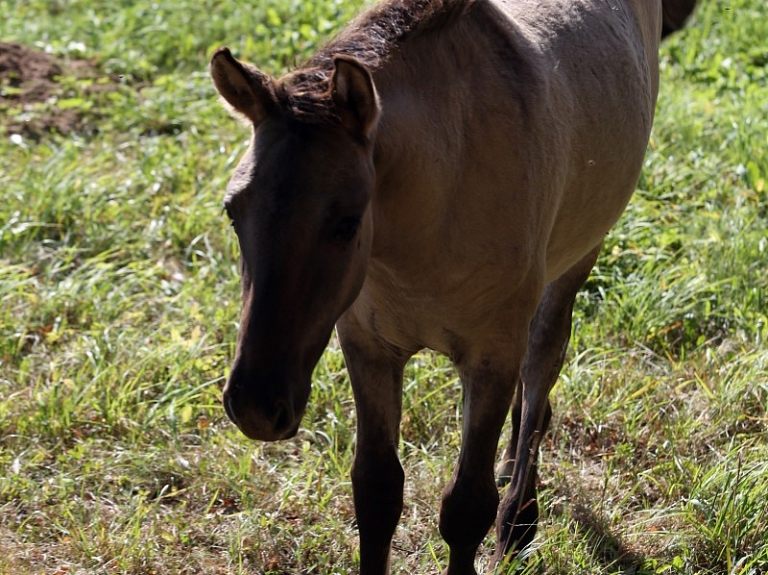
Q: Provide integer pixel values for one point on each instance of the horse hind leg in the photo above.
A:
(531, 411)
(507, 464)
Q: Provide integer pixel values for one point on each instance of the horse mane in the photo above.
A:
(371, 38)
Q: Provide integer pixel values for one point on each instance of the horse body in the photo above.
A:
(440, 175)
(504, 163)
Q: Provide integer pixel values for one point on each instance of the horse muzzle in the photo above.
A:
(262, 416)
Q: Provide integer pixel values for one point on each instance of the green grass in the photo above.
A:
(119, 299)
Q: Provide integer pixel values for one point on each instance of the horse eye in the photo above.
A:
(346, 229)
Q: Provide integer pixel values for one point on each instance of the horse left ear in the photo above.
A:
(245, 88)
(355, 96)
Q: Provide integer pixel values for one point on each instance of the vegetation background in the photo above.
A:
(119, 300)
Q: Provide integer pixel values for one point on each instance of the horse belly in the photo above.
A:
(589, 208)
(602, 91)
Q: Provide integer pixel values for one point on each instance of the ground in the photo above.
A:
(119, 299)
(42, 94)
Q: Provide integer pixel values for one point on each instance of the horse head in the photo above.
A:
(299, 202)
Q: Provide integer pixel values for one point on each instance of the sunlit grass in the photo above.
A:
(119, 300)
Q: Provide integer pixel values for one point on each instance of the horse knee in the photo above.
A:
(467, 512)
(378, 490)
(505, 469)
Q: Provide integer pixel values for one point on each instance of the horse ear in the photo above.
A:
(249, 91)
(355, 96)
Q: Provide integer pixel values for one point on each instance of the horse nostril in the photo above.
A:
(227, 401)
(283, 420)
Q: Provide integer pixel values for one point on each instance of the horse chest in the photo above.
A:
(439, 309)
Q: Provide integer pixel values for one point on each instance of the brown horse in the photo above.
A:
(441, 175)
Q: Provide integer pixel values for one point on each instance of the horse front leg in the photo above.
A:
(470, 499)
(531, 412)
(376, 374)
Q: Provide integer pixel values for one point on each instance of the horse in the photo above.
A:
(440, 175)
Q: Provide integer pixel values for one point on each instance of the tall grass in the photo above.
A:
(119, 300)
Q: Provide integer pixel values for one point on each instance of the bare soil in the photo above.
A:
(30, 85)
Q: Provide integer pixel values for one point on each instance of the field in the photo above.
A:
(119, 300)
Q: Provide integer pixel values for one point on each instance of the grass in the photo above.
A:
(119, 299)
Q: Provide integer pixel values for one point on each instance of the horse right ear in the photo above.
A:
(355, 96)
(249, 91)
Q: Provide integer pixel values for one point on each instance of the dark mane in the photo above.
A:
(371, 38)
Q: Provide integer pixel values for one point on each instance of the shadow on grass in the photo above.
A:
(599, 550)
(606, 549)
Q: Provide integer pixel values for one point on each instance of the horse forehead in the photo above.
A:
(285, 163)
(288, 149)
(308, 140)
(271, 161)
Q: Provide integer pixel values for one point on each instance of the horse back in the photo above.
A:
(592, 87)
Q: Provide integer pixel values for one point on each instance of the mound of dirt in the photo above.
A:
(29, 82)
(30, 71)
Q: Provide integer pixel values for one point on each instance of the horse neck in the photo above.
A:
(424, 112)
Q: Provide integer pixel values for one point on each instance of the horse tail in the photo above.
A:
(675, 13)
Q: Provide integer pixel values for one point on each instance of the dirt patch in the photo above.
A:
(31, 87)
